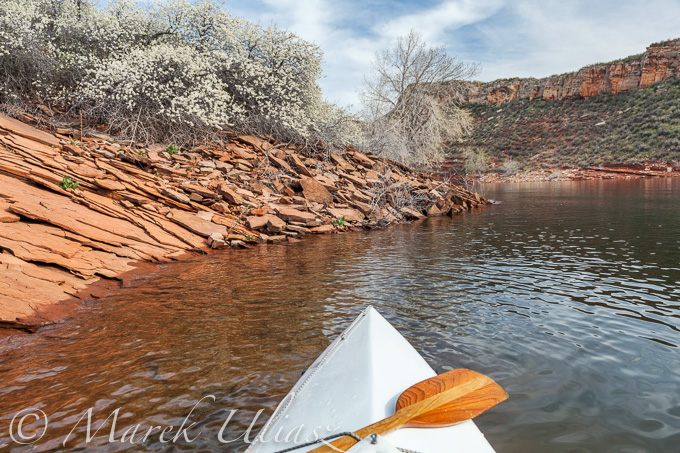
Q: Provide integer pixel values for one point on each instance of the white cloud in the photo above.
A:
(434, 22)
(311, 19)
(550, 37)
(509, 37)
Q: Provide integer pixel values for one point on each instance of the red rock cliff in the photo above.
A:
(659, 62)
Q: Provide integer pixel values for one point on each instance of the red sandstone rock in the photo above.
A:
(282, 164)
(200, 190)
(357, 181)
(323, 229)
(47, 244)
(275, 224)
(260, 211)
(24, 130)
(364, 208)
(411, 214)
(260, 222)
(342, 163)
(659, 62)
(109, 184)
(350, 215)
(295, 215)
(63, 238)
(433, 211)
(6, 216)
(255, 141)
(299, 165)
(314, 191)
(175, 195)
(298, 229)
(362, 159)
(327, 182)
(196, 224)
(230, 195)
(216, 241)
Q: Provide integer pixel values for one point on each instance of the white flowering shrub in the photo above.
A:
(170, 70)
(166, 89)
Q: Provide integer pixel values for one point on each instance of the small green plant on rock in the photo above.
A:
(68, 183)
(249, 238)
(141, 152)
(172, 149)
(339, 222)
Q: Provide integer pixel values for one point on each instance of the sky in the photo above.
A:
(509, 38)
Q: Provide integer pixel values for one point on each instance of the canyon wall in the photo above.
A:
(659, 62)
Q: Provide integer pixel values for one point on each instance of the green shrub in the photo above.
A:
(68, 183)
(640, 117)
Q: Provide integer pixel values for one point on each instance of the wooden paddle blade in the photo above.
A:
(439, 401)
(462, 408)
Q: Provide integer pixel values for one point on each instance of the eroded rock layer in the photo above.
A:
(659, 62)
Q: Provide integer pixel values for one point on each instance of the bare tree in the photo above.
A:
(410, 101)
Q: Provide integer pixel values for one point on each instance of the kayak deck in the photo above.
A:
(356, 381)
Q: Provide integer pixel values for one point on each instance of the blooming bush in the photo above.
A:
(168, 71)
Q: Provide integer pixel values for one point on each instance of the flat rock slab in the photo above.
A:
(411, 214)
(230, 194)
(342, 163)
(295, 215)
(24, 130)
(299, 165)
(109, 184)
(25, 288)
(362, 159)
(47, 244)
(175, 195)
(357, 181)
(314, 191)
(192, 222)
(6, 216)
(270, 222)
(323, 229)
(350, 214)
(60, 211)
(255, 141)
(280, 163)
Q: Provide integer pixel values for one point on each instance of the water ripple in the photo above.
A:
(567, 294)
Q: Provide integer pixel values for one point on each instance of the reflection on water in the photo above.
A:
(566, 294)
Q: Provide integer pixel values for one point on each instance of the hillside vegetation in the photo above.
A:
(636, 126)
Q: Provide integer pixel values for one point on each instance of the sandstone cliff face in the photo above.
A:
(659, 62)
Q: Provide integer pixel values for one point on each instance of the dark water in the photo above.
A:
(567, 294)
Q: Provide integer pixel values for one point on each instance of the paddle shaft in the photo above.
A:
(402, 416)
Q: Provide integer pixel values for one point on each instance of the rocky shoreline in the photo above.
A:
(75, 210)
(657, 170)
